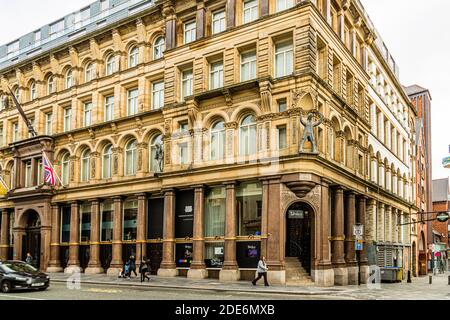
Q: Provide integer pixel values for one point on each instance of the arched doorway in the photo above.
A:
(31, 242)
(298, 233)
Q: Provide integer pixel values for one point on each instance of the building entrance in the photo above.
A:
(298, 233)
(31, 241)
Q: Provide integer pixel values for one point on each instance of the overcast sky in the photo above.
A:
(415, 31)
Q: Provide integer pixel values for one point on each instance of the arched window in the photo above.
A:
(65, 169)
(130, 158)
(247, 136)
(33, 93)
(217, 140)
(89, 72)
(17, 93)
(107, 162)
(69, 79)
(110, 65)
(133, 57)
(159, 48)
(154, 165)
(50, 85)
(85, 165)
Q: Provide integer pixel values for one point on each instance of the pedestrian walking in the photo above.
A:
(262, 271)
(133, 265)
(29, 258)
(144, 270)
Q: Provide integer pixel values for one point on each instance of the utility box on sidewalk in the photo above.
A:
(391, 274)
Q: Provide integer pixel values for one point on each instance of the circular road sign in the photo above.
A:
(442, 217)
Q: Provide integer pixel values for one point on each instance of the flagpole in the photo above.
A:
(53, 168)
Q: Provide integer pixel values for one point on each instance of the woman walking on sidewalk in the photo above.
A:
(145, 269)
(262, 271)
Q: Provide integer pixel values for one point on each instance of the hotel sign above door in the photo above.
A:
(296, 214)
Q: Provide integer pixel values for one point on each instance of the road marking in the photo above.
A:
(6, 296)
(102, 290)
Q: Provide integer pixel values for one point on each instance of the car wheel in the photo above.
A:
(42, 289)
(6, 287)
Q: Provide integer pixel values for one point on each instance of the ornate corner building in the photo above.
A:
(221, 87)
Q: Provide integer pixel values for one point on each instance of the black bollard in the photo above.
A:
(449, 280)
(430, 279)
(409, 276)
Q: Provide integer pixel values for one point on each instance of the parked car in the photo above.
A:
(20, 275)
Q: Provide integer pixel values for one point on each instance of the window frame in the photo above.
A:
(191, 31)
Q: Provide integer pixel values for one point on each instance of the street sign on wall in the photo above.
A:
(358, 230)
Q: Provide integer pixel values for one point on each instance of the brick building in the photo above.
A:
(220, 87)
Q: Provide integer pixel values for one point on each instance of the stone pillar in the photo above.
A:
(46, 232)
(171, 35)
(141, 241)
(274, 248)
(73, 264)
(341, 23)
(388, 224)
(350, 253)
(231, 13)
(324, 275)
(168, 266)
(18, 234)
(264, 7)
(116, 262)
(55, 263)
(361, 218)
(264, 216)
(201, 20)
(230, 270)
(94, 266)
(198, 267)
(380, 223)
(338, 260)
(4, 235)
(370, 228)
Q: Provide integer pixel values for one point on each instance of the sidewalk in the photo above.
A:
(419, 289)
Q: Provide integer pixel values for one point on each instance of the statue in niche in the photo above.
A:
(308, 133)
(159, 155)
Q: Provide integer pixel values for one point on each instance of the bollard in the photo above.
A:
(430, 279)
(449, 280)
(409, 276)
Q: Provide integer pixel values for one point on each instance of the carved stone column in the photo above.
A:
(4, 235)
(55, 263)
(388, 224)
(264, 7)
(141, 241)
(361, 218)
(94, 266)
(168, 265)
(73, 264)
(116, 261)
(230, 270)
(340, 270)
(350, 254)
(201, 20)
(231, 13)
(198, 267)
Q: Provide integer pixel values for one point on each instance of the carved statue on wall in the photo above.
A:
(159, 155)
(308, 133)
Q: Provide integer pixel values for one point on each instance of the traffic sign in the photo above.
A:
(442, 217)
(358, 245)
(358, 230)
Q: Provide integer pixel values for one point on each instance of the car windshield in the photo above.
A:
(18, 267)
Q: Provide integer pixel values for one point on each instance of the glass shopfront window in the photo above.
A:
(215, 201)
(184, 214)
(107, 211)
(214, 253)
(65, 224)
(85, 223)
(249, 207)
(130, 211)
(155, 218)
(183, 253)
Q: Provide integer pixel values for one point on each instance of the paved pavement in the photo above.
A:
(419, 288)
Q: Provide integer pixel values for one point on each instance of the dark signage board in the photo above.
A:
(184, 214)
(183, 254)
(155, 219)
(296, 214)
(248, 254)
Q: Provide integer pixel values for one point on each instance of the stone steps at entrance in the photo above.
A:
(296, 275)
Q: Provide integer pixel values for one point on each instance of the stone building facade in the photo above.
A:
(221, 87)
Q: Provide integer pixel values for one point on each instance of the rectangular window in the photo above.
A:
(15, 129)
(248, 66)
(87, 114)
(48, 123)
(37, 37)
(85, 222)
(56, 28)
(184, 126)
(32, 124)
(65, 224)
(250, 11)
(13, 48)
(130, 211)
(132, 102)
(218, 21)
(28, 175)
(107, 212)
(282, 105)
(187, 79)
(215, 202)
(216, 75)
(183, 153)
(284, 58)
(190, 29)
(249, 208)
(67, 119)
(282, 137)
(284, 4)
(158, 95)
(109, 108)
